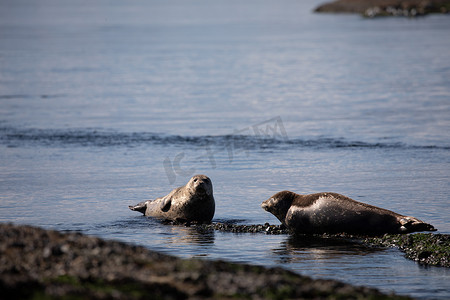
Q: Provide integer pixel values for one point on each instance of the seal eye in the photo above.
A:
(195, 180)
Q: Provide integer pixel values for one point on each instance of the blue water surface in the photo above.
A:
(104, 104)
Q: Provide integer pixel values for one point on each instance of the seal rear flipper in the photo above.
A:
(140, 207)
(410, 224)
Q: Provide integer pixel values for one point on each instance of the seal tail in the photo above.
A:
(140, 207)
(410, 224)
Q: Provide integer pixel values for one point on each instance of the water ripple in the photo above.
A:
(13, 137)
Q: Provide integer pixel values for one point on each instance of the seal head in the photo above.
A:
(279, 204)
(193, 202)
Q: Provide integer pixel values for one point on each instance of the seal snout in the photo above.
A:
(201, 188)
(266, 204)
(202, 184)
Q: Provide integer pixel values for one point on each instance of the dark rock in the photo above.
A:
(425, 248)
(84, 267)
(236, 228)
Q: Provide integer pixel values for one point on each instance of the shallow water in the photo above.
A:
(105, 104)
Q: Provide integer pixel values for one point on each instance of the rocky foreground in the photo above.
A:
(43, 264)
(374, 8)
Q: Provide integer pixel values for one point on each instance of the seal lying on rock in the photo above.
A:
(193, 202)
(335, 213)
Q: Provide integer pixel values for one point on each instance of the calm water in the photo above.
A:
(105, 104)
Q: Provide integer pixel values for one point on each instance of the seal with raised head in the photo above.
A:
(193, 202)
(335, 213)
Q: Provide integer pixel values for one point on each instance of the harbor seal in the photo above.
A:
(193, 202)
(335, 213)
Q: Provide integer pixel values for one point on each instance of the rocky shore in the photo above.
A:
(425, 248)
(374, 8)
(44, 264)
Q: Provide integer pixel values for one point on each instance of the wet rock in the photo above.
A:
(425, 248)
(76, 266)
(236, 228)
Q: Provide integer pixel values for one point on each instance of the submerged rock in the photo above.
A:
(374, 8)
(45, 264)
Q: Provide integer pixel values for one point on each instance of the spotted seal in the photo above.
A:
(335, 213)
(193, 202)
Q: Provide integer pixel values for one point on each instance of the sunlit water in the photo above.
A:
(105, 104)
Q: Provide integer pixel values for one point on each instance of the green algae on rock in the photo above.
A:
(425, 248)
(266, 228)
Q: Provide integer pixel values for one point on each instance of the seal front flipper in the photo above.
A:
(140, 207)
(166, 203)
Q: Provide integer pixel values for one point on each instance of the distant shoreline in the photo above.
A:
(375, 8)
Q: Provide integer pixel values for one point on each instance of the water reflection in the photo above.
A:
(306, 247)
(131, 223)
(182, 235)
(145, 227)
